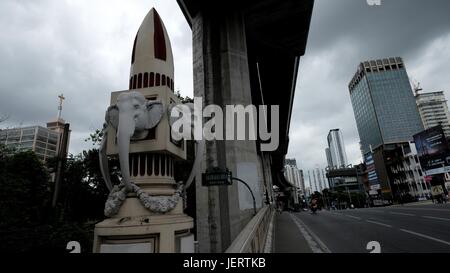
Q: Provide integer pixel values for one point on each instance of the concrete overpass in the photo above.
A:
(245, 52)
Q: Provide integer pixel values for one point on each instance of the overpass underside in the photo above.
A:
(244, 52)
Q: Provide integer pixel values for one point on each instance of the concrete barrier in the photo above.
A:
(256, 236)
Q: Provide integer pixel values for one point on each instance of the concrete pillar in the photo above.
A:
(221, 77)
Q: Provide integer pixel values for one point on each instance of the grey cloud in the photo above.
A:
(80, 48)
(346, 32)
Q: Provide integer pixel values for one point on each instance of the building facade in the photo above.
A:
(433, 110)
(328, 155)
(387, 118)
(348, 181)
(317, 180)
(295, 176)
(45, 142)
(336, 155)
(417, 187)
(383, 103)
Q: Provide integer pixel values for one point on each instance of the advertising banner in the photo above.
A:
(433, 152)
(372, 172)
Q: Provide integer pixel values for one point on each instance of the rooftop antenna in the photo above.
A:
(61, 100)
(417, 87)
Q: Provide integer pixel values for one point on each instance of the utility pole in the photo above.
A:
(349, 195)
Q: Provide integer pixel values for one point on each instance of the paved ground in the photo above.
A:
(401, 229)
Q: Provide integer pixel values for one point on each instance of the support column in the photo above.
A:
(221, 77)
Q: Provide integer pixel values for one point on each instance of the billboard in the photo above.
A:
(372, 173)
(433, 152)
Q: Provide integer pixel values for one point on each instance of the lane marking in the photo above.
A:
(446, 210)
(404, 214)
(436, 218)
(425, 236)
(314, 242)
(374, 210)
(378, 223)
(353, 217)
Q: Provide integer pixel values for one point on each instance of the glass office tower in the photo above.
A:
(384, 104)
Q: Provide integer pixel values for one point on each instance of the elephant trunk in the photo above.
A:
(125, 131)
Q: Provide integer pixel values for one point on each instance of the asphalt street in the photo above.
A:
(404, 229)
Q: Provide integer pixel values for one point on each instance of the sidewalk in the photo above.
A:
(420, 203)
(287, 237)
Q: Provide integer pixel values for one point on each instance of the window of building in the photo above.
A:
(27, 132)
(13, 138)
(40, 151)
(41, 144)
(51, 147)
(27, 144)
(134, 81)
(52, 141)
(163, 80)
(51, 154)
(41, 138)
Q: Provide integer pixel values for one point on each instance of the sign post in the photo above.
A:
(219, 177)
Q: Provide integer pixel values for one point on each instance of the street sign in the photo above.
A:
(217, 177)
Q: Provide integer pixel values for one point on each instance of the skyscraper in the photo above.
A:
(387, 119)
(291, 162)
(294, 175)
(384, 105)
(336, 155)
(433, 110)
(328, 154)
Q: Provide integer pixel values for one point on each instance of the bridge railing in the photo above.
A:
(256, 237)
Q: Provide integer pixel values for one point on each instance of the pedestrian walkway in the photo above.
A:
(420, 203)
(288, 238)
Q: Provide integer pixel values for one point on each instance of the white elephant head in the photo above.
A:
(133, 116)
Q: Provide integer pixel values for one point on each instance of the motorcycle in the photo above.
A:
(314, 209)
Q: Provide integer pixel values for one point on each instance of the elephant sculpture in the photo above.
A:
(133, 117)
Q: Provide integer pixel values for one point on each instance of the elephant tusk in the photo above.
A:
(104, 168)
(198, 159)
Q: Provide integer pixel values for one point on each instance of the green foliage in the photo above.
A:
(28, 222)
(95, 138)
(186, 99)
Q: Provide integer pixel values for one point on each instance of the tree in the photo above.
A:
(24, 202)
(28, 221)
(186, 99)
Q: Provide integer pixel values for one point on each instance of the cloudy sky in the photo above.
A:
(82, 48)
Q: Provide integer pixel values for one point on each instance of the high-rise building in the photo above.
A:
(45, 142)
(336, 154)
(318, 181)
(291, 162)
(433, 110)
(294, 175)
(328, 154)
(383, 103)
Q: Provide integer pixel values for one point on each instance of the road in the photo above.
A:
(406, 229)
